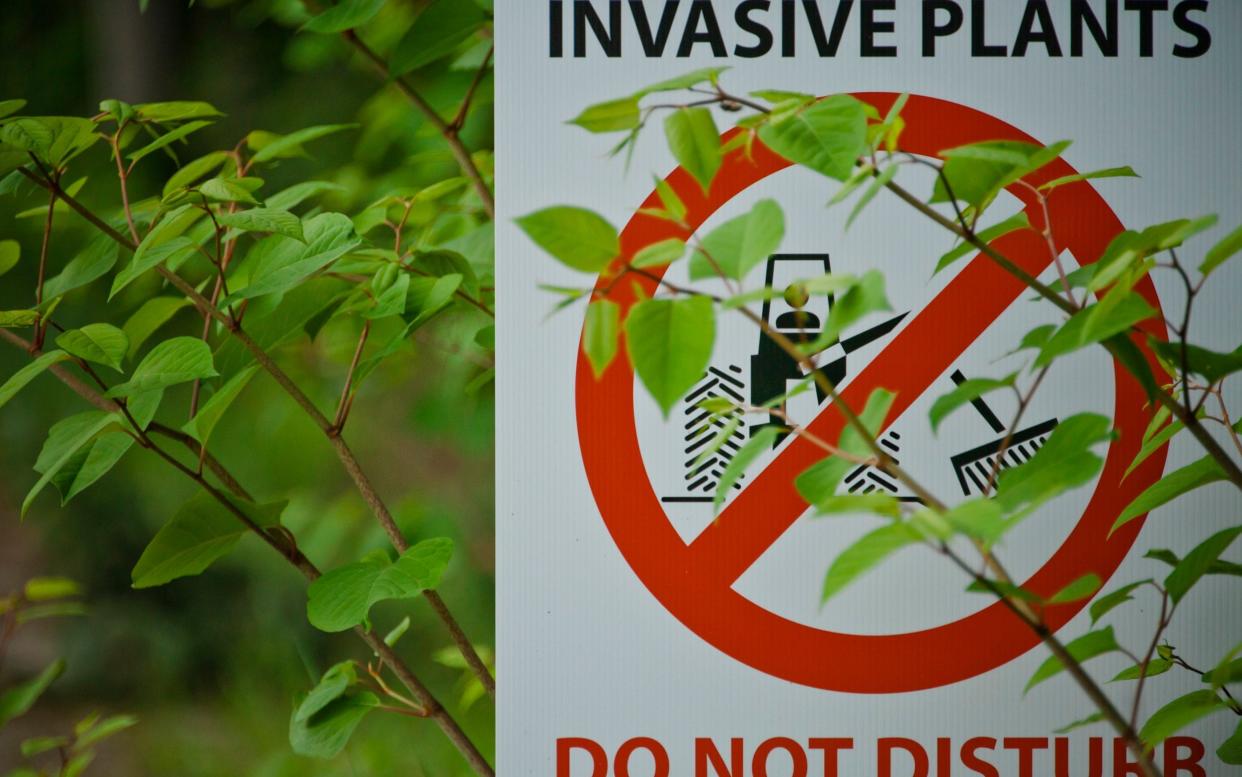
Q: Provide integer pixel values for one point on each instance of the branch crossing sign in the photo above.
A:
(649, 628)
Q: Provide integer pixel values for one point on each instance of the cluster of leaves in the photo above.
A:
(73, 752)
(669, 334)
(267, 270)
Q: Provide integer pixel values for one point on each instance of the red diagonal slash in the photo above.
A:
(694, 582)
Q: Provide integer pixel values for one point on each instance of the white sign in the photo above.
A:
(640, 633)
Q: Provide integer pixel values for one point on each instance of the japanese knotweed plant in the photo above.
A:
(669, 338)
(263, 270)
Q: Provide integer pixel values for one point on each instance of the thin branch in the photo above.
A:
(460, 119)
(1166, 615)
(456, 147)
(346, 402)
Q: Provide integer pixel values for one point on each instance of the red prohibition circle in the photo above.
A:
(693, 581)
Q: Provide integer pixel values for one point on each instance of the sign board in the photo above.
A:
(641, 631)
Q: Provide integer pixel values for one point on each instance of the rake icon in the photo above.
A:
(975, 466)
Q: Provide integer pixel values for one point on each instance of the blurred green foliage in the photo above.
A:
(210, 664)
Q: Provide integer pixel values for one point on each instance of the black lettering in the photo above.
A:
(556, 31)
(789, 26)
(1147, 33)
(1202, 36)
(1037, 12)
(1105, 35)
(763, 36)
(609, 39)
(827, 46)
(979, 46)
(871, 26)
(932, 29)
(653, 44)
(701, 11)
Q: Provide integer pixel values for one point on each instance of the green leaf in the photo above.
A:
(287, 146)
(53, 139)
(976, 173)
(670, 344)
(10, 252)
(437, 32)
(1064, 463)
(1111, 601)
(176, 110)
(280, 222)
(1157, 666)
(42, 589)
(279, 263)
(695, 143)
(334, 683)
(88, 461)
(733, 471)
(99, 257)
(38, 745)
(818, 483)
(861, 296)
(1218, 567)
(204, 422)
(981, 519)
(1222, 251)
(155, 246)
(877, 183)
(298, 193)
(342, 598)
(1155, 443)
(104, 729)
(660, 254)
(677, 83)
(873, 415)
(1178, 714)
(988, 236)
(611, 116)
(735, 247)
(199, 534)
(1083, 649)
(674, 208)
(177, 360)
(866, 553)
(868, 504)
(1094, 323)
(1087, 721)
(147, 320)
(99, 343)
(343, 16)
(18, 700)
(1212, 365)
(578, 238)
(1202, 472)
(9, 107)
(168, 138)
(828, 136)
(1197, 563)
(1082, 588)
(1230, 750)
(191, 172)
(325, 734)
(28, 373)
(600, 333)
(967, 391)
(230, 190)
(1111, 172)
(15, 319)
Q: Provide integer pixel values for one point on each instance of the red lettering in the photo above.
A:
(1175, 764)
(564, 751)
(706, 754)
(1026, 747)
(1122, 765)
(888, 745)
(658, 754)
(759, 764)
(831, 748)
(973, 762)
(944, 757)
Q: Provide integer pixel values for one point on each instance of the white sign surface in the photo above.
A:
(639, 633)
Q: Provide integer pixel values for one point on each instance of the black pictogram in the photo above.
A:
(974, 468)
